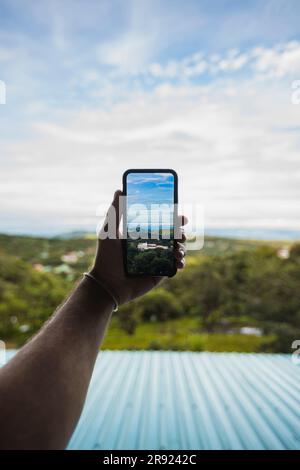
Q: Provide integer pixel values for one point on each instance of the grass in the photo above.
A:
(182, 334)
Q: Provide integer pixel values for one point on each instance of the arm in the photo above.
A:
(43, 388)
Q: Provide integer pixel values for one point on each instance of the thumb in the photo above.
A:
(110, 227)
(117, 204)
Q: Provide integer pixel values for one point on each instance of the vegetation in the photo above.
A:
(27, 298)
(156, 261)
(181, 335)
(233, 296)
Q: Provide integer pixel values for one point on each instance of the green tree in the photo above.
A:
(158, 305)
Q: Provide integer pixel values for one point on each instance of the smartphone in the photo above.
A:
(149, 216)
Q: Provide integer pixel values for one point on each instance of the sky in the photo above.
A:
(150, 188)
(150, 198)
(96, 87)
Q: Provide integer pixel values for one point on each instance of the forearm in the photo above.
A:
(45, 384)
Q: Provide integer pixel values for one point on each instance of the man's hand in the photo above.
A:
(109, 267)
(53, 370)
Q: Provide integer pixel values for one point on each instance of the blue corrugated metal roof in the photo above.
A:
(186, 400)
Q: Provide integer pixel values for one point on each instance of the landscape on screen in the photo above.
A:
(150, 231)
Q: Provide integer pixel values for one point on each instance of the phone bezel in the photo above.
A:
(124, 241)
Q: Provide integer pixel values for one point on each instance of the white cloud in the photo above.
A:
(277, 61)
(129, 52)
(236, 153)
(87, 100)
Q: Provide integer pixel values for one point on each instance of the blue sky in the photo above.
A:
(96, 87)
(150, 198)
(150, 188)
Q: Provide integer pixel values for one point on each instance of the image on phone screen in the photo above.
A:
(149, 222)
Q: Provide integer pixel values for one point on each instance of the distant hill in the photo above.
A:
(254, 234)
(266, 234)
(50, 251)
(73, 234)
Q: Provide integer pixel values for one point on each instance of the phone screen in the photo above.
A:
(149, 222)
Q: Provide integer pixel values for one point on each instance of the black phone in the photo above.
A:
(149, 215)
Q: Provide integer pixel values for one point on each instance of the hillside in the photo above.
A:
(234, 295)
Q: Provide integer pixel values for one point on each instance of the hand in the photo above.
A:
(109, 268)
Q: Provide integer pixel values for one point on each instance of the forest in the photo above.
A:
(234, 295)
(150, 261)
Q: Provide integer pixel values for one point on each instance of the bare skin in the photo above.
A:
(43, 388)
